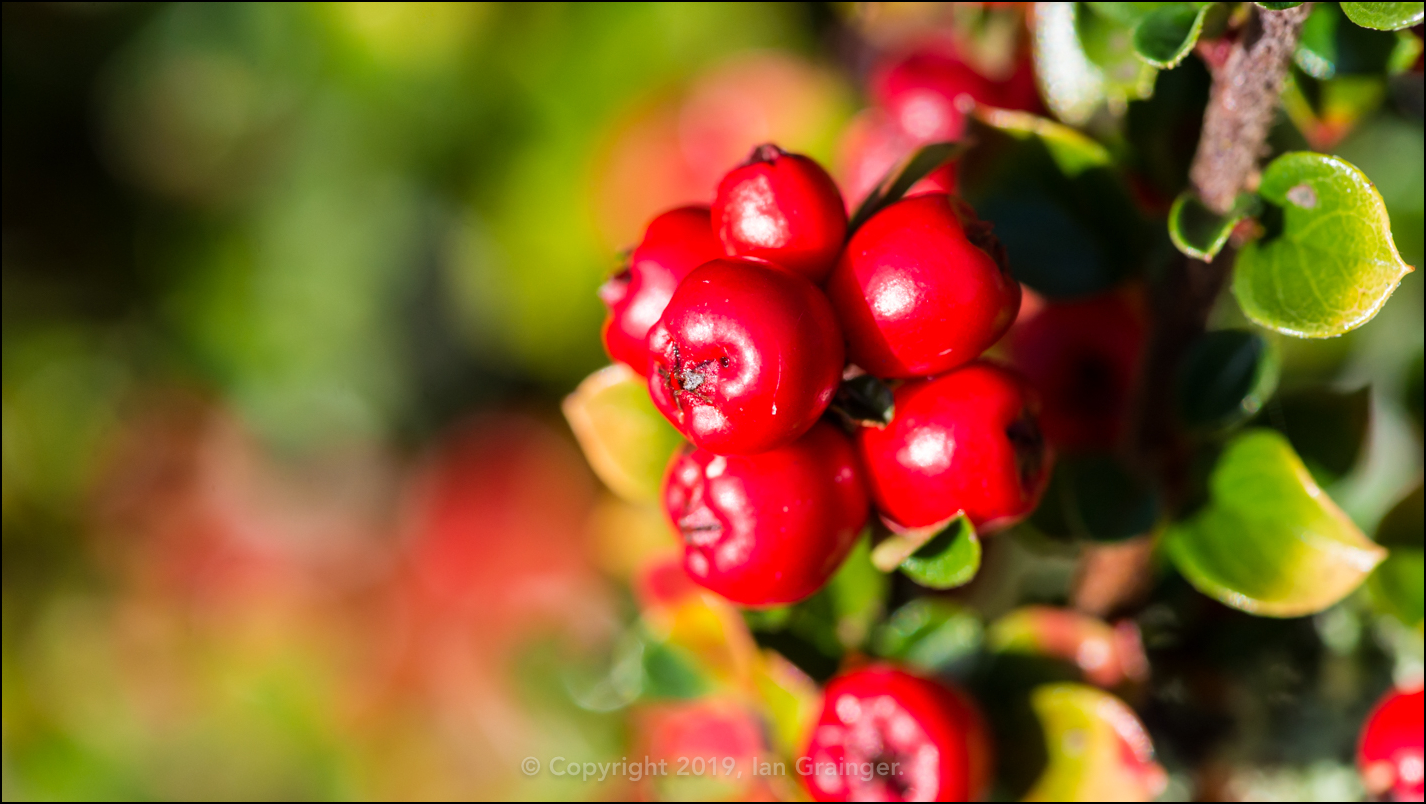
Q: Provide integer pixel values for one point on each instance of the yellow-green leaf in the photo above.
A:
(1096, 746)
(624, 437)
(1269, 541)
(1326, 263)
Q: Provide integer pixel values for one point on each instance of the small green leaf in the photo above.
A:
(929, 634)
(1095, 498)
(1327, 262)
(1166, 35)
(1397, 585)
(1327, 428)
(1384, 16)
(1096, 747)
(1200, 233)
(625, 439)
(1331, 46)
(1073, 152)
(949, 560)
(1269, 541)
(1073, 86)
(1225, 378)
(902, 177)
(1109, 44)
(864, 400)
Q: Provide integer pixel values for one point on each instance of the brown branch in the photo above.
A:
(1242, 104)
(1241, 107)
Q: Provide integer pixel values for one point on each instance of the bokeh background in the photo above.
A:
(291, 294)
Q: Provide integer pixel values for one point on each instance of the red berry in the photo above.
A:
(886, 735)
(674, 244)
(1083, 358)
(745, 357)
(922, 288)
(1389, 755)
(771, 528)
(967, 441)
(782, 208)
(924, 92)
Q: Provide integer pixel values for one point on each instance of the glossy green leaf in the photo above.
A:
(930, 634)
(1200, 233)
(1095, 498)
(1330, 45)
(902, 177)
(1096, 747)
(1109, 44)
(1073, 86)
(1166, 35)
(1399, 584)
(1326, 263)
(949, 560)
(1269, 541)
(1225, 378)
(1327, 427)
(625, 439)
(1384, 16)
(1064, 215)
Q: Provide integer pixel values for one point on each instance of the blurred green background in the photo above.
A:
(258, 258)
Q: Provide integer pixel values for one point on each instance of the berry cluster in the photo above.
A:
(746, 318)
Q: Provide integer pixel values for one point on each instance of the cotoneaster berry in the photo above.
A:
(1084, 359)
(929, 92)
(674, 244)
(782, 208)
(1389, 754)
(771, 528)
(967, 441)
(922, 288)
(745, 357)
(887, 735)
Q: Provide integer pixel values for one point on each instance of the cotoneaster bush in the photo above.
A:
(1013, 335)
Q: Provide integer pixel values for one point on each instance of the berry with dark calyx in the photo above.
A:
(768, 529)
(1084, 358)
(966, 441)
(745, 357)
(921, 288)
(782, 208)
(674, 244)
(887, 735)
(1389, 753)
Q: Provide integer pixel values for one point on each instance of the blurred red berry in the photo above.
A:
(745, 357)
(768, 529)
(922, 288)
(1389, 754)
(887, 735)
(1084, 359)
(782, 208)
(966, 441)
(674, 244)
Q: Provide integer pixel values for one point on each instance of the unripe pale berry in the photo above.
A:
(782, 208)
(674, 244)
(966, 441)
(768, 529)
(746, 357)
(922, 288)
(887, 735)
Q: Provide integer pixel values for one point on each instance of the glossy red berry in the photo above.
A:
(922, 288)
(1389, 754)
(1084, 359)
(771, 528)
(745, 357)
(782, 208)
(929, 92)
(967, 441)
(674, 244)
(887, 735)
